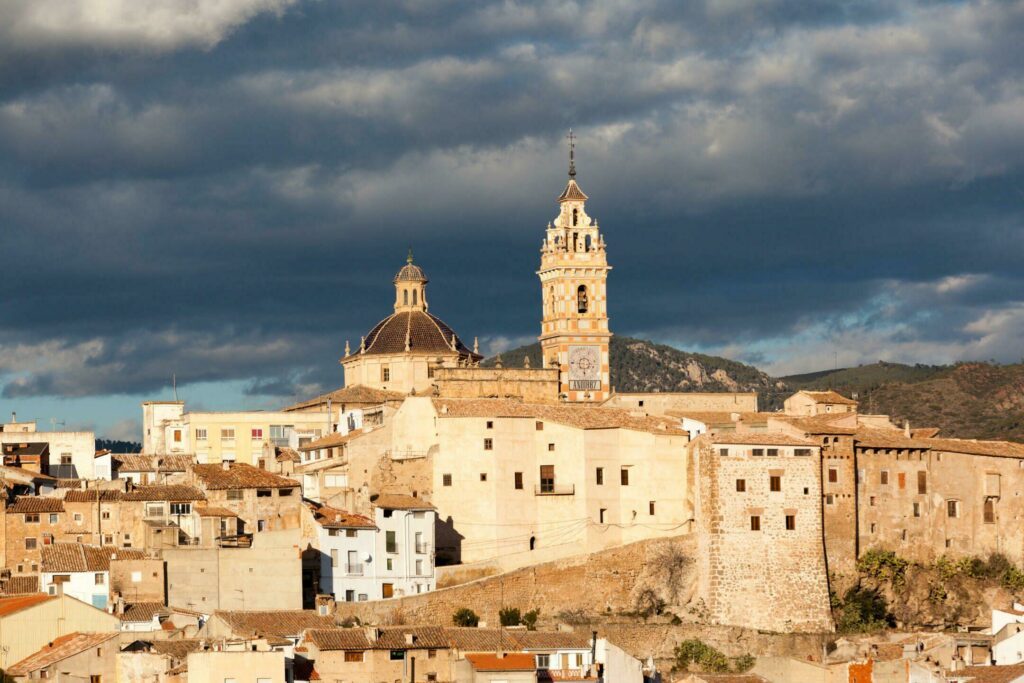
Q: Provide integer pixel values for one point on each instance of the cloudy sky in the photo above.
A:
(221, 190)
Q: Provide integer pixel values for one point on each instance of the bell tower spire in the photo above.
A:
(573, 275)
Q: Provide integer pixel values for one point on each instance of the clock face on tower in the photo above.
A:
(585, 368)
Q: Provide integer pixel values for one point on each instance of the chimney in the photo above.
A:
(906, 428)
(372, 633)
(225, 465)
(410, 639)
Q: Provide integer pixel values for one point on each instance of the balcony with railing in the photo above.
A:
(552, 489)
(354, 569)
(553, 675)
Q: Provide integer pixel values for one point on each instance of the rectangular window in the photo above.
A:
(397, 655)
(351, 656)
(32, 518)
(234, 494)
(419, 567)
(755, 522)
(990, 511)
(78, 516)
(917, 509)
(201, 434)
(801, 451)
(790, 522)
(99, 579)
(757, 452)
(543, 661)
(490, 424)
(775, 483)
(773, 452)
(385, 373)
(280, 435)
(952, 508)
(830, 499)
(105, 514)
(181, 508)
(53, 518)
(334, 557)
(154, 509)
(177, 436)
(901, 480)
(488, 444)
(446, 480)
(883, 477)
(547, 478)
(833, 475)
(723, 452)
(741, 485)
(624, 476)
(391, 542)
(599, 476)
(600, 515)
(257, 434)
(519, 480)
(922, 482)
(539, 426)
(30, 544)
(871, 501)
(227, 435)
(483, 476)
(551, 446)
(650, 508)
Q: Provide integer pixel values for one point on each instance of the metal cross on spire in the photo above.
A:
(572, 153)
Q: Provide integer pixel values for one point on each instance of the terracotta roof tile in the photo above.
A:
(69, 483)
(925, 432)
(90, 495)
(334, 518)
(138, 462)
(470, 639)
(347, 395)
(176, 649)
(822, 424)
(988, 674)
(171, 492)
(713, 417)
(886, 438)
(331, 440)
(282, 623)
(213, 511)
(78, 557)
(21, 585)
(387, 638)
(757, 439)
(35, 504)
(285, 454)
(240, 476)
(513, 661)
(572, 193)
(829, 396)
(399, 501)
(59, 650)
(18, 603)
(144, 611)
(394, 637)
(579, 416)
(1004, 449)
(552, 640)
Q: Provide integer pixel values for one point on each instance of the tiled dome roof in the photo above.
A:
(410, 272)
(425, 333)
(572, 193)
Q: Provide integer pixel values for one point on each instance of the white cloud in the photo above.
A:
(143, 24)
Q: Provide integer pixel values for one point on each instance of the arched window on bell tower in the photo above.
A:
(414, 297)
(575, 217)
(405, 297)
(581, 299)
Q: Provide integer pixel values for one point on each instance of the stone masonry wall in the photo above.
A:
(595, 583)
(771, 579)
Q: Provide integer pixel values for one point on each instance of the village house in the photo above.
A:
(75, 656)
(511, 667)
(262, 500)
(65, 455)
(282, 628)
(404, 558)
(225, 665)
(380, 653)
(83, 571)
(30, 622)
(31, 523)
(142, 469)
(346, 546)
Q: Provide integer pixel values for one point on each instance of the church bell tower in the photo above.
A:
(573, 275)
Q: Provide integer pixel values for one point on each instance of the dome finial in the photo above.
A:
(409, 257)
(572, 153)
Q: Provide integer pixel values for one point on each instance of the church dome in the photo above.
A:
(414, 331)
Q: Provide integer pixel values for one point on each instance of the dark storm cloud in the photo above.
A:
(225, 195)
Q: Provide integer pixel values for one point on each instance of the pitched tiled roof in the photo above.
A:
(1004, 449)
(387, 638)
(31, 504)
(78, 557)
(399, 501)
(333, 518)
(68, 483)
(170, 492)
(59, 650)
(331, 440)
(988, 674)
(176, 649)
(21, 585)
(144, 611)
(208, 511)
(137, 462)
(829, 423)
(273, 623)
(240, 476)
(470, 639)
(572, 193)
(925, 432)
(347, 395)
(713, 417)
(424, 332)
(90, 495)
(20, 602)
(553, 640)
(887, 438)
(512, 661)
(285, 454)
(579, 416)
(829, 397)
(757, 439)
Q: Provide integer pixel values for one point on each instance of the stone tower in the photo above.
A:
(573, 275)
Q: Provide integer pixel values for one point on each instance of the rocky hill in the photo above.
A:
(966, 400)
(638, 365)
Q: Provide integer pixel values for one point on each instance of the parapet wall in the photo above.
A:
(539, 385)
